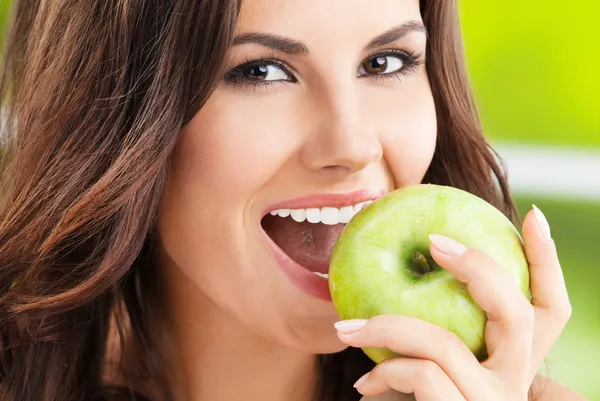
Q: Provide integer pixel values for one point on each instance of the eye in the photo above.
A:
(264, 72)
(381, 64)
(259, 72)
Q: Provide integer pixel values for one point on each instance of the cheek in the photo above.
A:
(408, 126)
(232, 150)
(223, 158)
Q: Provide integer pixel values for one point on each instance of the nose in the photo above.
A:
(342, 139)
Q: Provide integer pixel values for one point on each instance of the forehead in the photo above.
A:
(346, 20)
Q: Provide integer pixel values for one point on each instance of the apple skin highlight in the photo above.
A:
(381, 262)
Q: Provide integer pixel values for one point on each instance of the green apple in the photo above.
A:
(381, 262)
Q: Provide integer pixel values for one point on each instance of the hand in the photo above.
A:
(437, 365)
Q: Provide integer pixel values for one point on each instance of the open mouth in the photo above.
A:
(307, 236)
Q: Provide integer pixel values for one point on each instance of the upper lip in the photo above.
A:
(320, 200)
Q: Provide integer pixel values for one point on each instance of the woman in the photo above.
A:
(147, 145)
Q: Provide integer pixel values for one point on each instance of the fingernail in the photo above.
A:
(542, 223)
(447, 245)
(350, 326)
(362, 380)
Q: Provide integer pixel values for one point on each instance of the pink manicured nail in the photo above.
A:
(362, 380)
(542, 223)
(350, 326)
(447, 245)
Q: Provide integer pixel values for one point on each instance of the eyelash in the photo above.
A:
(236, 78)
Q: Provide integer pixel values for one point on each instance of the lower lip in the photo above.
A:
(302, 278)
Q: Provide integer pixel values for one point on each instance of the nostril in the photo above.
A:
(335, 167)
(352, 160)
(337, 170)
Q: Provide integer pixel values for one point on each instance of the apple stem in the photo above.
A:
(421, 263)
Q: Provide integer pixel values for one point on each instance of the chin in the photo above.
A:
(319, 344)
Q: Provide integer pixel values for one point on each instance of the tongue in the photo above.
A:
(308, 244)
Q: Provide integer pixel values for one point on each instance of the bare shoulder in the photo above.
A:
(544, 389)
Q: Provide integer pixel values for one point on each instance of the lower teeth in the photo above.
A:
(324, 275)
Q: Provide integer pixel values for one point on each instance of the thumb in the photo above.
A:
(548, 290)
(547, 281)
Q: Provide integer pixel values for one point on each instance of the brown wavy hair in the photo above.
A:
(94, 96)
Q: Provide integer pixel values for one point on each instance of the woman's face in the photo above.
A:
(325, 105)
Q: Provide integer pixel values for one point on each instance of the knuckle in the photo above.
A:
(480, 259)
(527, 313)
(386, 330)
(449, 347)
(563, 311)
(427, 372)
(520, 317)
(393, 343)
(383, 323)
(524, 314)
(377, 324)
(384, 367)
(451, 341)
(484, 267)
(518, 309)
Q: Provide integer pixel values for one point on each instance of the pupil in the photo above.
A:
(259, 72)
(378, 64)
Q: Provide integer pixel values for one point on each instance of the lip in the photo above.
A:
(302, 278)
(327, 199)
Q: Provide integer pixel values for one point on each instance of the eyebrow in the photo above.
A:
(283, 44)
(296, 48)
(397, 32)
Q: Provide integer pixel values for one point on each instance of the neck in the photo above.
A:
(213, 356)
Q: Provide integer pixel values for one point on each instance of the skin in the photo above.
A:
(235, 327)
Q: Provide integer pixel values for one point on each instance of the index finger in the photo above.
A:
(509, 330)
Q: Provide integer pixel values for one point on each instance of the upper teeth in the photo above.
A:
(325, 215)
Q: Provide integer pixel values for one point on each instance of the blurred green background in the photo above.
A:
(535, 70)
(534, 66)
